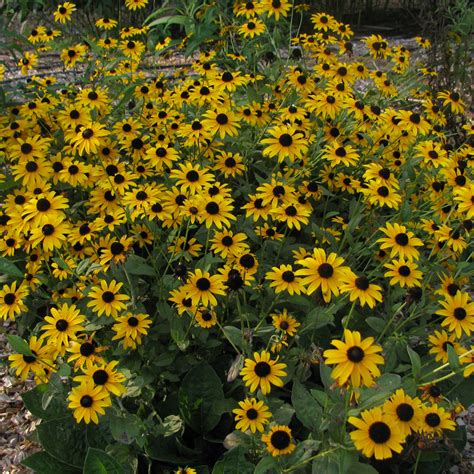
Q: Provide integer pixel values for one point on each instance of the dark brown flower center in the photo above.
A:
(262, 369)
(379, 432)
(355, 354)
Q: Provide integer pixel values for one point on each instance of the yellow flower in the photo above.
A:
(262, 372)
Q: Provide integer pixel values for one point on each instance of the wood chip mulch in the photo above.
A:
(17, 424)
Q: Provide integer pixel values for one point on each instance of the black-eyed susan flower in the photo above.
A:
(285, 322)
(106, 23)
(51, 233)
(322, 271)
(106, 376)
(377, 434)
(130, 328)
(39, 359)
(63, 325)
(403, 410)
(435, 419)
(202, 288)
(191, 177)
(276, 8)
(226, 242)
(88, 400)
(292, 213)
(89, 138)
(85, 352)
(106, 299)
(439, 342)
(64, 12)
(360, 288)
(381, 195)
(453, 100)
(135, 4)
(28, 62)
(253, 27)
(285, 142)
(356, 359)
(464, 198)
(458, 313)
(216, 212)
(404, 273)
(221, 122)
(261, 372)
(401, 242)
(12, 300)
(205, 318)
(252, 415)
(279, 440)
(283, 278)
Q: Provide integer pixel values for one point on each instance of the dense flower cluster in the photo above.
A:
(267, 209)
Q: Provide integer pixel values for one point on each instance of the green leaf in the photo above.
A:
(99, 462)
(64, 440)
(33, 401)
(44, 463)
(125, 429)
(234, 461)
(267, 465)
(377, 324)
(19, 345)
(361, 468)
(199, 395)
(9, 268)
(453, 359)
(307, 408)
(415, 362)
(136, 265)
(386, 385)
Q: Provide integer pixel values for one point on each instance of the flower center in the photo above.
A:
(117, 248)
(379, 432)
(100, 377)
(252, 414)
(47, 229)
(203, 284)
(42, 205)
(401, 239)
(383, 191)
(362, 283)
(9, 298)
(62, 325)
(212, 208)
(86, 401)
(192, 176)
(404, 271)
(230, 162)
(87, 133)
(141, 195)
(132, 321)
(341, 152)
(31, 166)
(262, 369)
(108, 297)
(285, 140)
(355, 354)
(227, 241)
(280, 440)
(291, 211)
(247, 261)
(288, 276)
(405, 412)
(87, 349)
(326, 270)
(433, 420)
(222, 119)
(460, 313)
